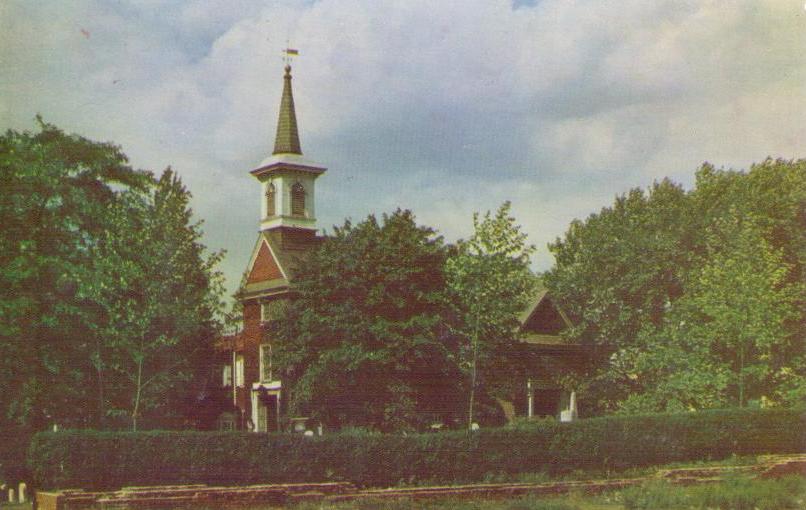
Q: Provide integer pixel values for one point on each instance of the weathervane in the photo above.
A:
(288, 53)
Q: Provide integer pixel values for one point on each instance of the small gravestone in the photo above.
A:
(11, 498)
(22, 490)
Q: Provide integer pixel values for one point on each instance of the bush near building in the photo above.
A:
(107, 460)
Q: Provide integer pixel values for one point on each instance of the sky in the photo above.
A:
(444, 108)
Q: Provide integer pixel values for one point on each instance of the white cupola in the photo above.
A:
(287, 179)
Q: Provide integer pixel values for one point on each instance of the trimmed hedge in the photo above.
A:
(109, 460)
(13, 443)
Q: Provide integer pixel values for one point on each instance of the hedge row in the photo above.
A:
(106, 460)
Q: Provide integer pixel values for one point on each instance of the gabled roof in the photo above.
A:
(276, 256)
(539, 295)
(264, 272)
(265, 266)
(542, 321)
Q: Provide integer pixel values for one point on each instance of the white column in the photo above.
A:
(234, 388)
(255, 424)
(22, 490)
(530, 398)
(278, 411)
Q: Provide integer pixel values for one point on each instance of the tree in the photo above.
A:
(490, 280)
(767, 202)
(719, 342)
(647, 282)
(614, 274)
(747, 300)
(364, 341)
(56, 188)
(66, 203)
(160, 297)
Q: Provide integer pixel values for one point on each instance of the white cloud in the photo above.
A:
(442, 107)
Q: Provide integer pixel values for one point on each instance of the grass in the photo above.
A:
(738, 493)
(598, 474)
(524, 503)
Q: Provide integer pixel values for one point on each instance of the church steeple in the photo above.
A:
(287, 179)
(287, 139)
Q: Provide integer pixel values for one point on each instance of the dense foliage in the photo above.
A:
(389, 327)
(114, 459)
(694, 299)
(364, 342)
(106, 296)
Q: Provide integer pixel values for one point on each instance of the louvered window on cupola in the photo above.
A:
(270, 202)
(297, 199)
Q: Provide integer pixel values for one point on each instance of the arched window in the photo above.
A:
(270, 204)
(297, 199)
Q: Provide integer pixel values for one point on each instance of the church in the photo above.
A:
(287, 180)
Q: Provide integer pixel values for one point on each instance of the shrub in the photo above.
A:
(13, 443)
(91, 459)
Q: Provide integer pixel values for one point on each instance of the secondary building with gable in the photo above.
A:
(287, 180)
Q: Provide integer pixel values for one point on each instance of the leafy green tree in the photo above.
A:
(773, 194)
(615, 273)
(647, 283)
(722, 342)
(490, 280)
(747, 299)
(364, 340)
(56, 188)
(160, 297)
(66, 203)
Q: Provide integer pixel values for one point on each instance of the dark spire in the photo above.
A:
(287, 139)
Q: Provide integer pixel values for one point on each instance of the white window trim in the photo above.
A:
(240, 380)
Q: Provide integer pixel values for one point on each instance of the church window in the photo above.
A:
(270, 202)
(297, 199)
(240, 380)
(226, 376)
(265, 362)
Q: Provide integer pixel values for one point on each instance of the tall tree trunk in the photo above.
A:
(473, 371)
(99, 370)
(101, 406)
(136, 410)
(741, 375)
